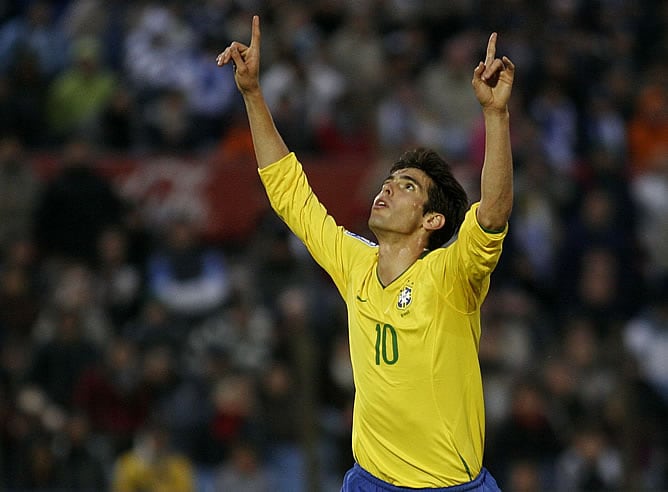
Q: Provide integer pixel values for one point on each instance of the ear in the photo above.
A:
(433, 221)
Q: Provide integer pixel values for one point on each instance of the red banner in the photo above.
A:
(227, 196)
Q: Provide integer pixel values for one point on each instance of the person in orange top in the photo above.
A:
(648, 129)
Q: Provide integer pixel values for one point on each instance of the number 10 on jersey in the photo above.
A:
(387, 351)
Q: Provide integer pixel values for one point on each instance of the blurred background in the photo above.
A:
(161, 330)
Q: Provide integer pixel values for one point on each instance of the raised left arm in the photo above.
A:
(492, 83)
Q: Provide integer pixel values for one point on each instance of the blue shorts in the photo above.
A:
(357, 479)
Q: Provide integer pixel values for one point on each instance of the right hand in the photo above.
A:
(245, 59)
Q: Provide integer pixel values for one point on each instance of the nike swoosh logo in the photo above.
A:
(361, 300)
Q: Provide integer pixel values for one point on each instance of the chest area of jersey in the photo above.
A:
(393, 327)
(407, 301)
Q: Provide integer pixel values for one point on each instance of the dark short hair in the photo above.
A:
(445, 194)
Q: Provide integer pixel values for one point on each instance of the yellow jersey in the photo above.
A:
(418, 418)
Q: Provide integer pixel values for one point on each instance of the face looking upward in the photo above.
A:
(398, 207)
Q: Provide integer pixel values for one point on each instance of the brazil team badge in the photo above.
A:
(405, 297)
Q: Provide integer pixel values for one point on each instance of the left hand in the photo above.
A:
(493, 79)
(246, 60)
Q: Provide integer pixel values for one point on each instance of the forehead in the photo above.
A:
(413, 174)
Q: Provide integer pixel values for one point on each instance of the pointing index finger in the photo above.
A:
(255, 33)
(491, 49)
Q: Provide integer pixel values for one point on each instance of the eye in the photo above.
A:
(409, 186)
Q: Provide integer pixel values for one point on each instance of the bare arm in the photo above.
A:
(267, 142)
(492, 83)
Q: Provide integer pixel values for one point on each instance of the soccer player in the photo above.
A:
(413, 304)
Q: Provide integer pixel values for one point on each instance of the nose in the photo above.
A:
(387, 188)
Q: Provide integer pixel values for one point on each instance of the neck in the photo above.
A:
(394, 258)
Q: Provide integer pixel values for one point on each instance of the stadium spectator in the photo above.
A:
(76, 205)
(38, 31)
(58, 363)
(189, 277)
(80, 93)
(78, 465)
(648, 128)
(118, 284)
(445, 85)
(243, 471)
(19, 189)
(23, 96)
(110, 396)
(152, 464)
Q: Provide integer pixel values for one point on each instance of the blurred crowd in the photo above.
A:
(135, 357)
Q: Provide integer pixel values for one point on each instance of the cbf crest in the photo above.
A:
(405, 297)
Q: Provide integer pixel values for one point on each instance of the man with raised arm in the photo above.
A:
(413, 303)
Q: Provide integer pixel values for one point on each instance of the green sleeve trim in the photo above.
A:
(485, 229)
(491, 231)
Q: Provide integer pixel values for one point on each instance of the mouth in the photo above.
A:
(380, 203)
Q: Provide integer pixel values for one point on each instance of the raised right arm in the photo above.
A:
(286, 185)
(267, 142)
